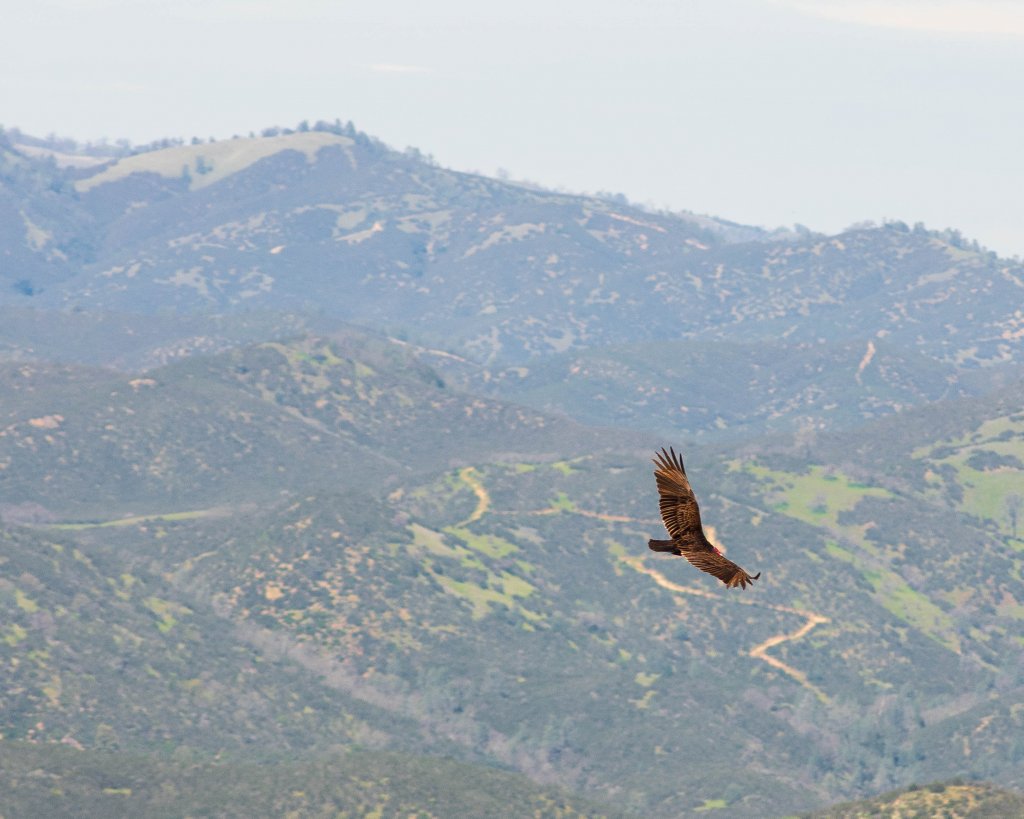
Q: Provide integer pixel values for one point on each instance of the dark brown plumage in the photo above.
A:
(682, 519)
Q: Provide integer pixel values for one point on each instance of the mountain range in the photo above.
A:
(313, 450)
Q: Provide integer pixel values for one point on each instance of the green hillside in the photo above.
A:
(726, 390)
(243, 427)
(498, 605)
(48, 780)
(955, 800)
(502, 606)
(101, 655)
(325, 488)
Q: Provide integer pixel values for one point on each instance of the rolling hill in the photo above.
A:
(332, 221)
(317, 458)
(956, 800)
(244, 427)
(725, 390)
(494, 605)
(48, 780)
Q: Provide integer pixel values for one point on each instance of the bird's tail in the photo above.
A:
(661, 545)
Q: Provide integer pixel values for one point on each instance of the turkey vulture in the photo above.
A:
(682, 519)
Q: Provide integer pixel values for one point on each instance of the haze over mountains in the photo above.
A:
(309, 447)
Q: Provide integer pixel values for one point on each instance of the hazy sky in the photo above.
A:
(769, 112)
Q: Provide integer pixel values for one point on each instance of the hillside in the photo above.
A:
(102, 656)
(335, 222)
(244, 427)
(313, 453)
(726, 390)
(45, 234)
(50, 781)
(132, 342)
(955, 800)
(495, 605)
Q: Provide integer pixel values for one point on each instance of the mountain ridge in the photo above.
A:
(333, 447)
(411, 255)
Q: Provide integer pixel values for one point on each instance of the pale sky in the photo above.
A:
(766, 112)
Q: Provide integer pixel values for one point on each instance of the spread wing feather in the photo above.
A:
(718, 565)
(678, 505)
(681, 516)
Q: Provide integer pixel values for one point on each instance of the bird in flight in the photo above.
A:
(682, 519)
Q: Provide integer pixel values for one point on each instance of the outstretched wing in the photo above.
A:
(681, 515)
(710, 561)
(678, 505)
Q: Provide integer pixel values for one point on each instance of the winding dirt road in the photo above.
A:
(760, 651)
(471, 478)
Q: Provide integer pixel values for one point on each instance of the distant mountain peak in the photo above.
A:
(209, 162)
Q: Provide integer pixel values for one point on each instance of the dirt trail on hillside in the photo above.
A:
(759, 652)
(470, 477)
